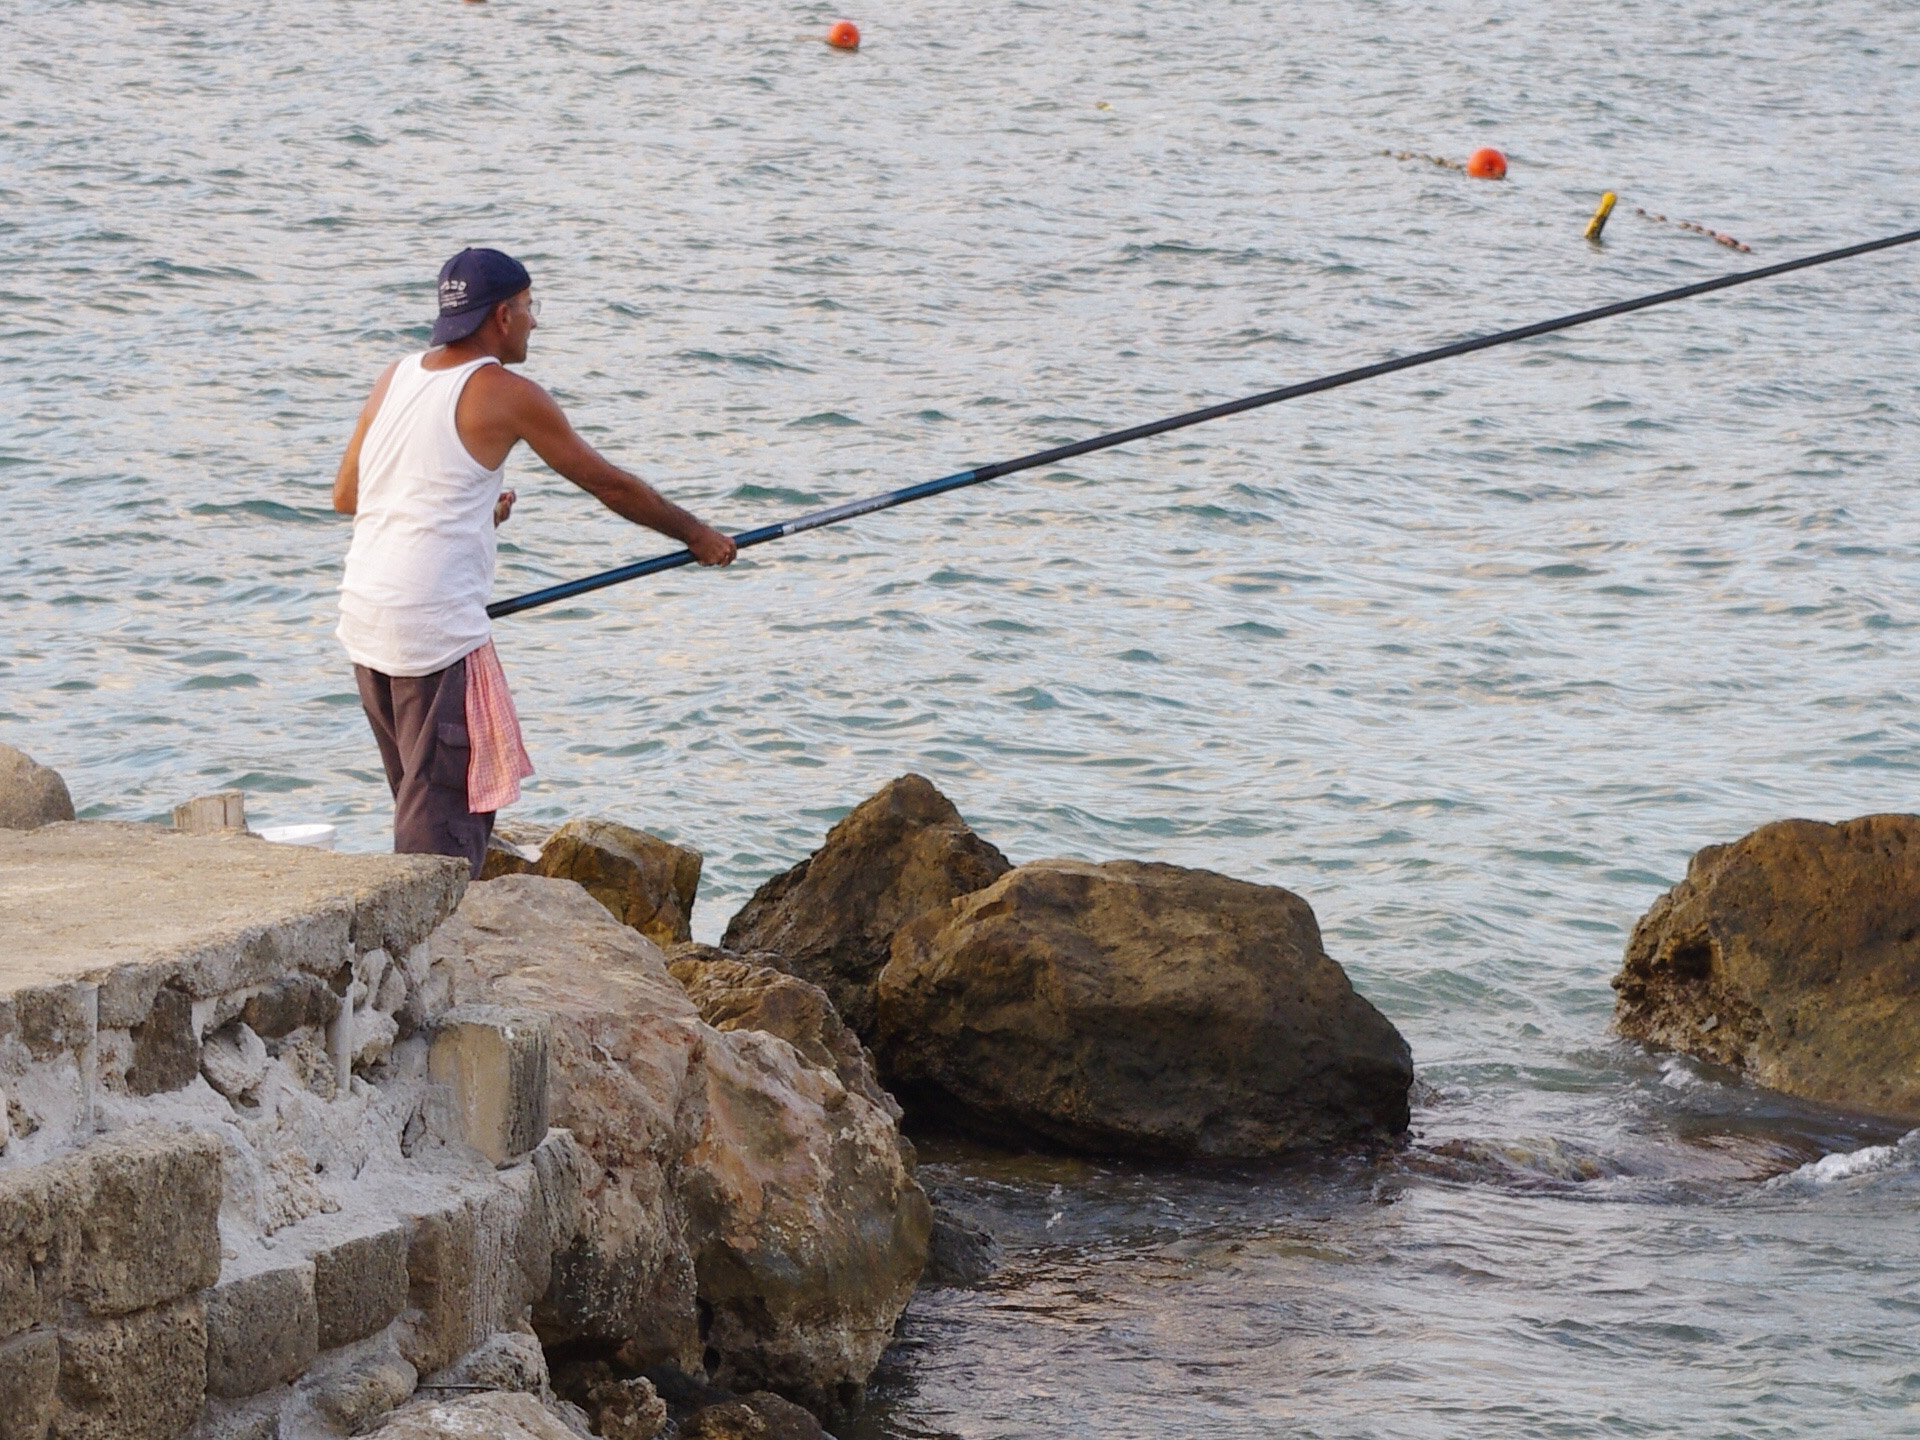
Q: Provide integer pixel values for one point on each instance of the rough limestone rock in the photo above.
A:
(31, 795)
(1137, 1009)
(745, 1210)
(628, 1409)
(736, 992)
(901, 853)
(617, 1407)
(646, 882)
(759, 1416)
(624, 1038)
(491, 1416)
(1794, 955)
(506, 1361)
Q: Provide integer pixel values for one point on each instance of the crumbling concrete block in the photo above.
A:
(397, 918)
(147, 1218)
(38, 1208)
(166, 1045)
(29, 1373)
(262, 1329)
(469, 1269)
(495, 1061)
(133, 1377)
(108, 903)
(55, 1019)
(360, 1285)
(291, 1003)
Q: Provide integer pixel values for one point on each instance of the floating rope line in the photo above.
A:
(1440, 160)
(834, 514)
(1713, 235)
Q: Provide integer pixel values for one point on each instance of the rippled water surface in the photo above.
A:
(1473, 657)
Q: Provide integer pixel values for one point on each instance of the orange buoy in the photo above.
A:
(1488, 164)
(845, 35)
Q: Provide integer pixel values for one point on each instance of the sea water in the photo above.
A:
(1472, 658)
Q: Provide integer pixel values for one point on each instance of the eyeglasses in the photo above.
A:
(533, 308)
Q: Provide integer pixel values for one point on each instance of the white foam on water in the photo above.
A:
(1678, 1073)
(1847, 1164)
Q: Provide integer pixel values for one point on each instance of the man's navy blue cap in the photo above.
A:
(471, 284)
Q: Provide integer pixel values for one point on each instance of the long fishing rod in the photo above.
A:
(834, 514)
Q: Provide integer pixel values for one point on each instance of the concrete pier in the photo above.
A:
(234, 1198)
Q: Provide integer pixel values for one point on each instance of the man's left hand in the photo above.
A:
(503, 507)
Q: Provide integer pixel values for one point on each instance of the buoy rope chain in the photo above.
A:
(834, 514)
(1714, 235)
(1440, 160)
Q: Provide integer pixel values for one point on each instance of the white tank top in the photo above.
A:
(420, 568)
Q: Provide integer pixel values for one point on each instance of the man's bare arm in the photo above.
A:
(346, 484)
(535, 417)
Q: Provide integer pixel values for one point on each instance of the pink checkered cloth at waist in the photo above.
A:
(499, 760)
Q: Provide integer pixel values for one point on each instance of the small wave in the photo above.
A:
(1847, 1164)
(1677, 1073)
(750, 360)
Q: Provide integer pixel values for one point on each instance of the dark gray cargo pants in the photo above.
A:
(420, 723)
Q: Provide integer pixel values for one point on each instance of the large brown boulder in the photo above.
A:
(31, 795)
(752, 1217)
(644, 881)
(901, 853)
(1794, 955)
(1136, 1009)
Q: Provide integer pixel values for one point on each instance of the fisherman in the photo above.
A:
(421, 477)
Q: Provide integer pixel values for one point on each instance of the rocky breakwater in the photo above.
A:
(1792, 955)
(285, 1148)
(749, 1212)
(1122, 1009)
(251, 1184)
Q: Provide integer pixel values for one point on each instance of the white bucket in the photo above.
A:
(316, 837)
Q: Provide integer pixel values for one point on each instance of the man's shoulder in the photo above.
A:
(495, 385)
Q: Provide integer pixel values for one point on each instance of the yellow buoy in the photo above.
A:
(1599, 220)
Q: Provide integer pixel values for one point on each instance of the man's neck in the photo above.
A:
(462, 352)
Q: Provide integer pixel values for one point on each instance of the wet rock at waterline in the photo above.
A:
(31, 795)
(900, 853)
(746, 1213)
(1136, 1009)
(1793, 955)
